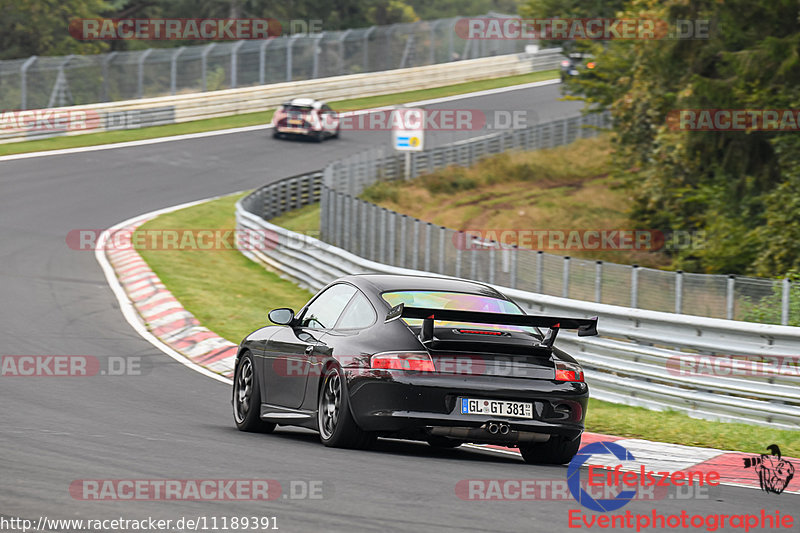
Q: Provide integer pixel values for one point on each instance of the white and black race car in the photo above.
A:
(305, 117)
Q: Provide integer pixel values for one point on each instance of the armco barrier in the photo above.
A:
(132, 114)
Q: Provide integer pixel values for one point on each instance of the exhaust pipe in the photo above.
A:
(493, 428)
(504, 429)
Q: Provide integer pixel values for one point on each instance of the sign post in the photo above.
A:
(408, 133)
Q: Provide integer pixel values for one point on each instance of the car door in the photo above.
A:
(345, 341)
(288, 353)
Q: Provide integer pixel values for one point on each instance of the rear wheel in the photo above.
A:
(276, 134)
(556, 451)
(247, 398)
(337, 428)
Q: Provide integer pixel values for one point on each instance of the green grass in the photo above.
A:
(263, 117)
(230, 295)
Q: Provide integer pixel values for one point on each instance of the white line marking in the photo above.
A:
(244, 129)
(126, 305)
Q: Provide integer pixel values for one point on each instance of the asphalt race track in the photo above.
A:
(173, 423)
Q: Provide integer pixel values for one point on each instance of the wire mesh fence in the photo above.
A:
(400, 240)
(41, 82)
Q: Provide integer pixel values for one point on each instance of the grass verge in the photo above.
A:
(263, 117)
(230, 295)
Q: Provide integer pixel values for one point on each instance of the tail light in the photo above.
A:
(569, 372)
(590, 65)
(415, 361)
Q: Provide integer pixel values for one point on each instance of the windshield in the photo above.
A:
(458, 301)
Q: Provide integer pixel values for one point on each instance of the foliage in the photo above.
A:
(769, 309)
(40, 27)
(740, 187)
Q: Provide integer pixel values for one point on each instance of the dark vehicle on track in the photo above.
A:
(442, 360)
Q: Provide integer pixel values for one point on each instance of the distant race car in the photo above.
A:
(441, 360)
(575, 64)
(305, 117)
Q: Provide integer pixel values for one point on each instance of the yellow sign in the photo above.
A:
(414, 141)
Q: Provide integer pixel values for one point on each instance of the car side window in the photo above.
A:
(325, 310)
(359, 313)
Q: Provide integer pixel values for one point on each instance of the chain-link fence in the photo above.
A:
(42, 82)
(388, 237)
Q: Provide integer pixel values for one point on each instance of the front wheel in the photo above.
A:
(337, 428)
(247, 398)
(556, 451)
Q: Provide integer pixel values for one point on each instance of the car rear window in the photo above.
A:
(297, 109)
(458, 301)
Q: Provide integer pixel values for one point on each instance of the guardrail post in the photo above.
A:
(341, 41)
(565, 132)
(513, 269)
(428, 237)
(235, 64)
(679, 291)
(382, 230)
(364, 226)
(473, 259)
(339, 218)
(315, 61)
(787, 285)
(598, 281)
(491, 262)
(635, 286)
(403, 239)
(461, 240)
(204, 64)
(289, 66)
(140, 84)
(415, 246)
(730, 297)
(262, 61)
(373, 224)
(173, 69)
(23, 73)
(347, 231)
(565, 277)
(107, 59)
(442, 237)
(365, 47)
(393, 218)
(539, 271)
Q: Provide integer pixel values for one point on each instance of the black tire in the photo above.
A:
(556, 451)
(318, 136)
(337, 428)
(247, 398)
(276, 135)
(443, 442)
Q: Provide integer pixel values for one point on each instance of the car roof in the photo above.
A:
(380, 283)
(305, 102)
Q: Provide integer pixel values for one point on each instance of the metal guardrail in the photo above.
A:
(643, 358)
(132, 114)
(57, 81)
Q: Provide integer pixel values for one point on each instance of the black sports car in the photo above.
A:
(442, 360)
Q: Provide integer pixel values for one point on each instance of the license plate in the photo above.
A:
(297, 121)
(573, 72)
(505, 408)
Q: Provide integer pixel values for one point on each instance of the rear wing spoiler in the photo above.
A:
(586, 326)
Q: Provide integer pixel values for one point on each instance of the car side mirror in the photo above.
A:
(282, 316)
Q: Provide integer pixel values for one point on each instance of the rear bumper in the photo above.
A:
(295, 131)
(394, 401)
